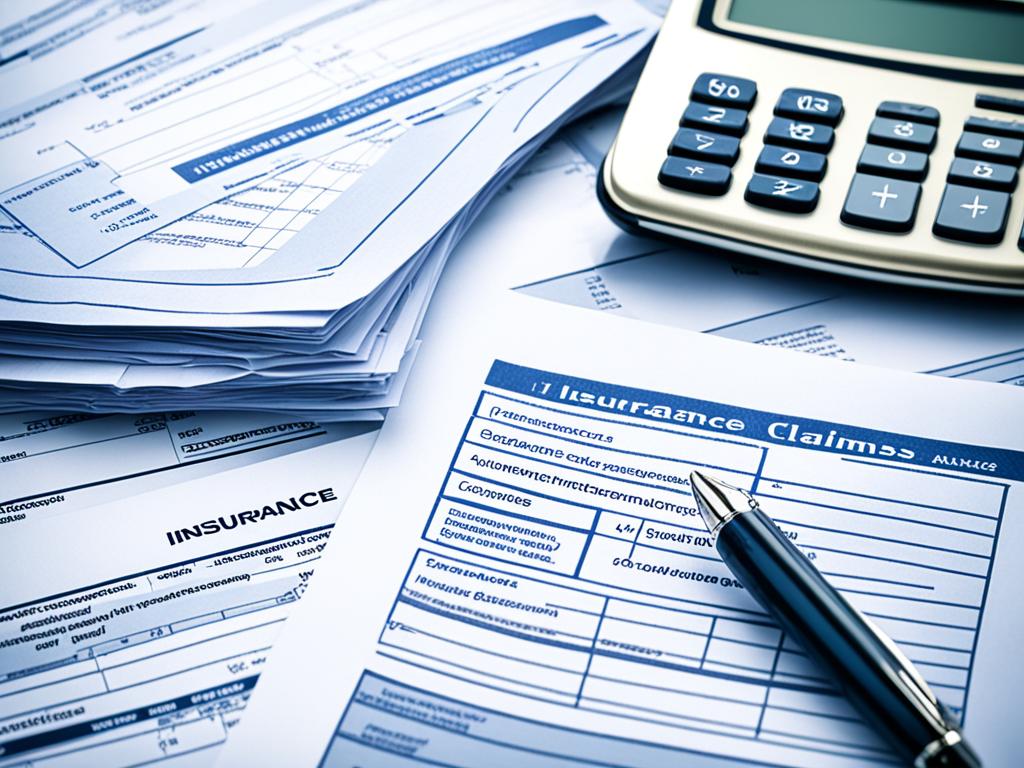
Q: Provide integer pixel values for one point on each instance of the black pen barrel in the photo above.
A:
(868, 669)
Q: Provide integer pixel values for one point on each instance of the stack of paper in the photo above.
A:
(250, 212)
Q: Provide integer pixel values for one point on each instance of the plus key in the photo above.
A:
(972, 215)
(875, 202)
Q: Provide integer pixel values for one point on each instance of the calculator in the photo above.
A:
(873, 138)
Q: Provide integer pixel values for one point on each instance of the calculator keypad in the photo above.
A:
(795, 147)
(706, 146)
(885, 190)
(983, 173)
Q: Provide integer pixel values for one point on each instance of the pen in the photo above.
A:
(874, 674)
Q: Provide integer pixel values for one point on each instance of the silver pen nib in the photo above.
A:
(718, 502)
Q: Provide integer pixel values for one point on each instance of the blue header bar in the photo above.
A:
(780, 429)
(336, 117)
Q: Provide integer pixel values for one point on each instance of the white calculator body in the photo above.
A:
(877, 138)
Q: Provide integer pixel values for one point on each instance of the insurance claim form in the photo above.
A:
(146, 565)
(521, 577)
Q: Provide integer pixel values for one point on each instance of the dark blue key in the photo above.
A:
(1014, 129)
(978, 173)
(876, 202)
(695, 176)
(798, 163)
(703, 145)
(791, 195)
(903, 134)
(901, 110)
(972, 215)
(898, 163)
(720, 119)
(999, 103)
(816, 106)
(1020, 240)
(996, 149)
(724, 89)
(799, 134)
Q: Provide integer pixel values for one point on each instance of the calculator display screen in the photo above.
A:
(987, 30)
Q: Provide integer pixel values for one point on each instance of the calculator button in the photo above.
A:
(998, 149)
(721, 119)
(799, 163)
(1012, 128)
(799, 134)
(792, 195)
(897, 163)
(815, 106)
(879, 203)
(712, 147)
(903, 134)
(999, 103)
(902, 110)
(695, 176)
(724, 89)
(972, 215)
(978, 173)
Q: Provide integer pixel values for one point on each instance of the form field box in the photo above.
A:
(566, 652)
(498, 536)
(44, 696)
(192, 655)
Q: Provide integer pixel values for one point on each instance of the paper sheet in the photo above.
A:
(523, 580)
(483, 86)
(126, 637)
(42, 48)
(50, 464)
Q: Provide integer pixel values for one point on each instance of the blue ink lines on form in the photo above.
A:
(381, 98)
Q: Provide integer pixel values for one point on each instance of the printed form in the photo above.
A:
(521, 577)
(52, 463)
(317, 95)
(146, 565)
(42, 48)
